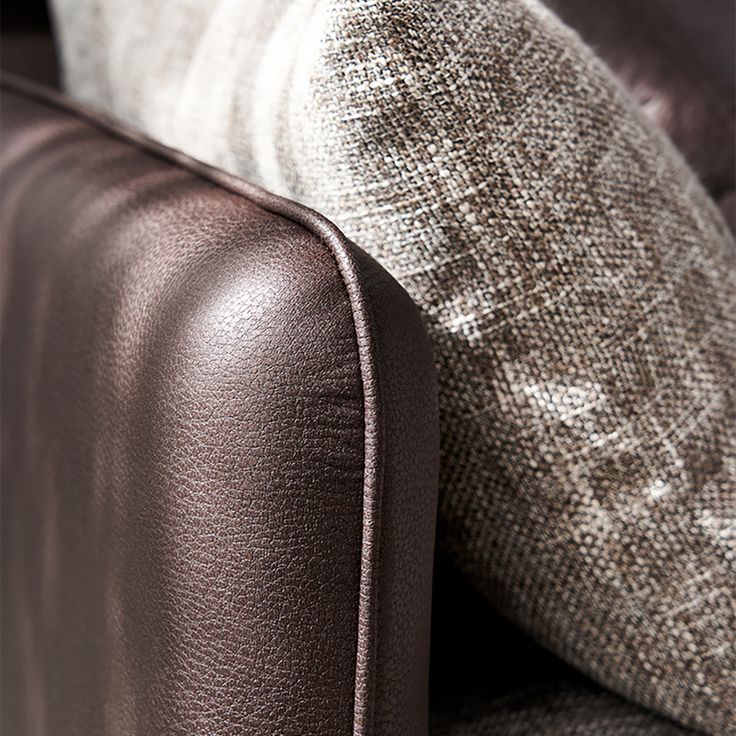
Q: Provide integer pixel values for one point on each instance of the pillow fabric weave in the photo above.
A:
(578, 283)
(560, 708)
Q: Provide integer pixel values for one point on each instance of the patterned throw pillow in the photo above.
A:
(579, 285)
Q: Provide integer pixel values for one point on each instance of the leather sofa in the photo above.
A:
(212, 370)
(220, 449)
(220, 458)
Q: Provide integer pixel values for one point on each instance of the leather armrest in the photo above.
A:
(219, 456)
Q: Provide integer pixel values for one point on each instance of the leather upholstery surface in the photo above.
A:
(219, 452)
(31, 55)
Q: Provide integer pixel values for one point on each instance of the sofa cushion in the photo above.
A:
(219, 457)
(676, 58)
(527, 691)
(569, 707)
(577, 281)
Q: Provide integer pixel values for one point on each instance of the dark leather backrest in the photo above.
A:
(219, 453)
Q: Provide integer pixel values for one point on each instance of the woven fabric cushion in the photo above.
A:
(578, 283)
(676, 58)
(560, 708)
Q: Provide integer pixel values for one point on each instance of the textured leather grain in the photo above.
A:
(219, 455)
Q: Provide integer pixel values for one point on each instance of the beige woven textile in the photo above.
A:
(579, 286)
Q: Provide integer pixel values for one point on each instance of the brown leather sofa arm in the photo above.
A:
(219, 453)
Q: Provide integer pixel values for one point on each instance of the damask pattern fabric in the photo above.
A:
(578, 283)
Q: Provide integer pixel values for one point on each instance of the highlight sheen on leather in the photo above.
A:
(219, 458)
